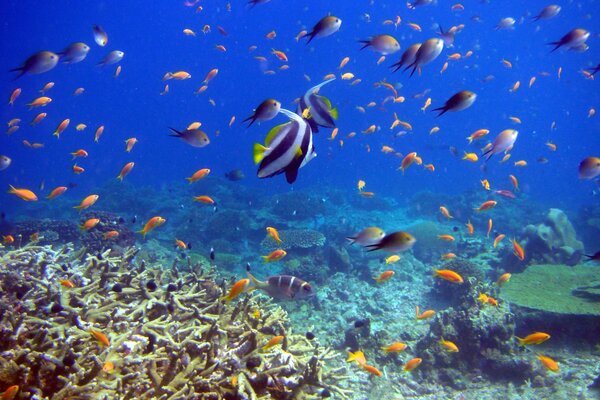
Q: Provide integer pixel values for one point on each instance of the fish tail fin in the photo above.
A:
(556, 46)
(417, 312)
(258, 152)
(469, 139)
(310, 35)
(373, 247)
(175, 133)
(251, 119)
(120, 178)
(257, 284)
(396, 66)
(488, 154)
(265, 259)
(351, 239)
(21, 72)
(442, 111)
(366, 43)
(521, 341)
(11, 189)
(142, 232)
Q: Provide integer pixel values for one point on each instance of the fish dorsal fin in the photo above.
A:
(258, 152)
(273, 132)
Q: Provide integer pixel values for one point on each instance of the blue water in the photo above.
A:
(151, 36)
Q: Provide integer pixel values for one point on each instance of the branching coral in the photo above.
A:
(169, 335)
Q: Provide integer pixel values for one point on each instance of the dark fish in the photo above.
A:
(447, 37)
(320, 111)
(428, 51)
(267, 110)
(42, 61)
(458, 102)
(548, 12)
(100, 36)
(594, 257)
(325, 27)
(74, 53)
(573, 39)
(112, 58)
(418, 3)
(134, 219)
(288, 147)
(235, 175)
(284, 287)
(193, 137)
(505, 193)
(394, 242)
(408, 57)
(212, 253)
(252, 3)
(594, 70)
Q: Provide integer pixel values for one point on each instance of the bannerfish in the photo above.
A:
(320, 111)
(74, 53)
(288, 147)
(193, 137)
(42, 61)
(285, 287)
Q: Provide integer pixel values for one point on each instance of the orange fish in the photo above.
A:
(448, 256)
(23, 194)
(498, 239)
(100, 337)
(490, 224)
(204, 199)
(279, 54)
(505, 277)
(211, 74)
(77, 169)
(478, 134)
(238, 288)
(407, 161)
(470, 228)
(125, 170)
(89, 224)
(424, 315)
(448, 238)
(42, 101)
(201, 173)
(515, 182)
(372, 370)
(13, 96)
(412, 364)
(448, 275)
(110, 235)
(384, 276)
(271, 35)
(130, 143)
(79, 153)
(273, 342)
(38, 118)
(152, 223)
(394, 347)
(275, 255)
(445, 212)
(272, 232)
(66, 283)
(108, 367)
(10, 393)
(486, 205)
(549, 363)
(518, 250)
(56, 192)
(449, 346)
(87, 202)
(8, 239)
(98, 133)
(534, 338)
(61, 127)
(180, 244)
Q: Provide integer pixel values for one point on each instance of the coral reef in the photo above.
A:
(94, 239)
(75, 325)
(553, 242)
(50, 231)
(296, 239)
(429, 247)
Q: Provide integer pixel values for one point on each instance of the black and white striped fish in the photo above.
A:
(288, 147)
(320, 111)
(283, 287)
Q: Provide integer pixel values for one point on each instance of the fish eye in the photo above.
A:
(274, 104)
(306, 288)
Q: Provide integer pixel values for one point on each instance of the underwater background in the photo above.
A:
(86, 313)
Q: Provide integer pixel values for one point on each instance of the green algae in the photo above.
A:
(554, 288)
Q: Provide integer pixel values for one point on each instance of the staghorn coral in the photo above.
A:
(171, 336)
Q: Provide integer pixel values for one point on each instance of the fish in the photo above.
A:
(358, 357)
(265, 111)
(486, 205)
(506, 23)
(394, 347)
(125, 170)
(533, 338)
(498, 239)
(412, 364)
(367, 236)
(445, 212)
(449, 346)
(371, 369)
(110, 235)
(326, 26)
(394, 242)
(548, 363)
(272, 232)
(235, 175)
(593, 257)
(321, 112)
(458, 102)
(100, 337)
(392, 259)
(572, 40)
(113, 57)
(13, 96)
(196, 176)
(427, 52)
(89, 224)
(87, 202)
(22, 193)
(548, 12)
(5, 162)
(10, 393)
(447, 36)
(204, 199)
(41, 101)
(384, 276)
(589, 168)
(285, 287)
(275, 255)
(518, 250)
(74, 53)
(448, 275)
(237, 289)
(100, 36)
(384, 44)
(472, 157)
(152, 223)
(505, 193)
(273, 342)
(38, 63)
(407, 58)
(502, 279)
(193, 137)
(288, 147)
(447, 238)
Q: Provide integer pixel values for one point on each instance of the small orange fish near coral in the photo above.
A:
(394, 347)
(275, 255)
(100, 337)
(425, 315)
(273, 342)
(549, 363)
(534, 338)
(412, 364)
(358, 357)
(384, 276)
(237, 289)
(372, 370)
(448, 275)
(519, 252)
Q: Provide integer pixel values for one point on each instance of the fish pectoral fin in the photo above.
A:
(258, 152)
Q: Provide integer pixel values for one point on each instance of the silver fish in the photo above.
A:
(193, 137)
(74, 53)
(112, 58)
(100, 36)
(4, 162)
